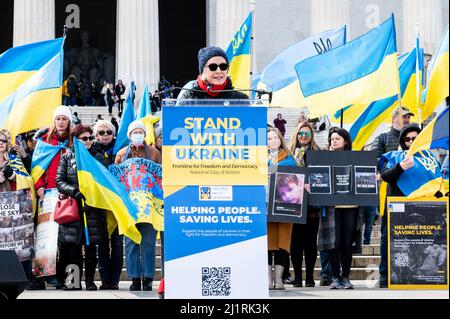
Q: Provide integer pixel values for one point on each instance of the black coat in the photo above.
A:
(198, 93)
(67, 183)
(103, 153)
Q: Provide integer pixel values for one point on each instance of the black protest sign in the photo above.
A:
(417, 243)
(287, 195)
(342, 178)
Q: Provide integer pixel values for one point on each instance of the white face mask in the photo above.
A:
(137, 139)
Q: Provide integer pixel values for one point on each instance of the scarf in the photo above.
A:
(203, 85)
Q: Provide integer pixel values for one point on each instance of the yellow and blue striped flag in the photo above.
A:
(31, 85)
(279, 76)
(238, 54)
(127, 117)
(23, 179)
(376, 113)
(42, 157)
(438, 83)
(434, 135)
(144, 106)
(361, 71)
(101, 190)
(146, 117)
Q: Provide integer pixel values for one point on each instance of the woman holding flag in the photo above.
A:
(45, 176)
(70, 236)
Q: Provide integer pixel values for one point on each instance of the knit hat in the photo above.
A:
(134, 125)
(62, 110)
(158, 131)
(207, 53)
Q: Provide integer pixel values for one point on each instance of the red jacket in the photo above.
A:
(48, 179)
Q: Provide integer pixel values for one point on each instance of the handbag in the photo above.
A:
(66, 210)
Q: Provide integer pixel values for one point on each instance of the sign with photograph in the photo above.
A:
(338, 178)
(418, 243)
(16, 223)
(287, 195)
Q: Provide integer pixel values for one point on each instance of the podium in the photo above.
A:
(215, 174)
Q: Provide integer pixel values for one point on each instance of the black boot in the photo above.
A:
(147, 285)
(136, 285)
(90, 285)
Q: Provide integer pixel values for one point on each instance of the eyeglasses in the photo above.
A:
(213, 66)
(409, 139)
(3, 141)
(87, 138)
(108, 132)
(307, 134)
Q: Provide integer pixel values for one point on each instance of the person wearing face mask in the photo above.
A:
(304, 236)
(213, 77)
(140, 258)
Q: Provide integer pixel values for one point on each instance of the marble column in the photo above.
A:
(34, 20)
(137, 44)
(329, 14)
(428, 16)
(224, 19)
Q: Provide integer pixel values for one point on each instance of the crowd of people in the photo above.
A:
(333, 231)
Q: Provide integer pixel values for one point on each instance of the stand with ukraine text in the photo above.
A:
(215, 170)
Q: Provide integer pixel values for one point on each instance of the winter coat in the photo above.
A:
(103, 153)
(280, 125)
(67, 183)
(386, 142)
(200, 94)
(72, 86)
(48, 179)
(279, 234)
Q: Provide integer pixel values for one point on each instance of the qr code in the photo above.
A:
(401, 260)
(216, 281)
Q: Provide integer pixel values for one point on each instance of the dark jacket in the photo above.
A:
(72, 86)
(386, 142)
(109, 97)
(67, 183)
(198, 93)
(391, 175)
(103, 153)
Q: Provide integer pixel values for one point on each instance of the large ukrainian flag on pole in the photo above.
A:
(239, 55)
(377, 112)
(31, 85)
(101, 190)
(437, 87)
(279, 76)
(361, 71)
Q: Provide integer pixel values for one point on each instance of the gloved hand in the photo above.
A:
(79, 195)
(8, 171)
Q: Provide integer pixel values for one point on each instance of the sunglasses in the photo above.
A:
(86, 138)
(108, 132)
(213, 66)
(3, 141)
(307, 134)
(409, 139)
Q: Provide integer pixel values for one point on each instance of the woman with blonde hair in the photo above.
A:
(278, 234)
(304, 236)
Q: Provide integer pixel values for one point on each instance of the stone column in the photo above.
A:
(137, 46)
(34, 20)
(329, 14)
(224, 19)
(428, 15)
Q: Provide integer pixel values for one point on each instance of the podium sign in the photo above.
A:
(215, 173)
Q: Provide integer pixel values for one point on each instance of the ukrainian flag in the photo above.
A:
(435, 135)
(377, 112)
(437, 87)
(279, 76)
(144, 106)
(31, 85)
(423, 179)
(358, 72)
(101, 190)
(42, 157)
(127, 118)
(238, 54)
(23, 179)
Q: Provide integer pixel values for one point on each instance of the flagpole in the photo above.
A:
(252, 9)
(418, 77)
(399, 93)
